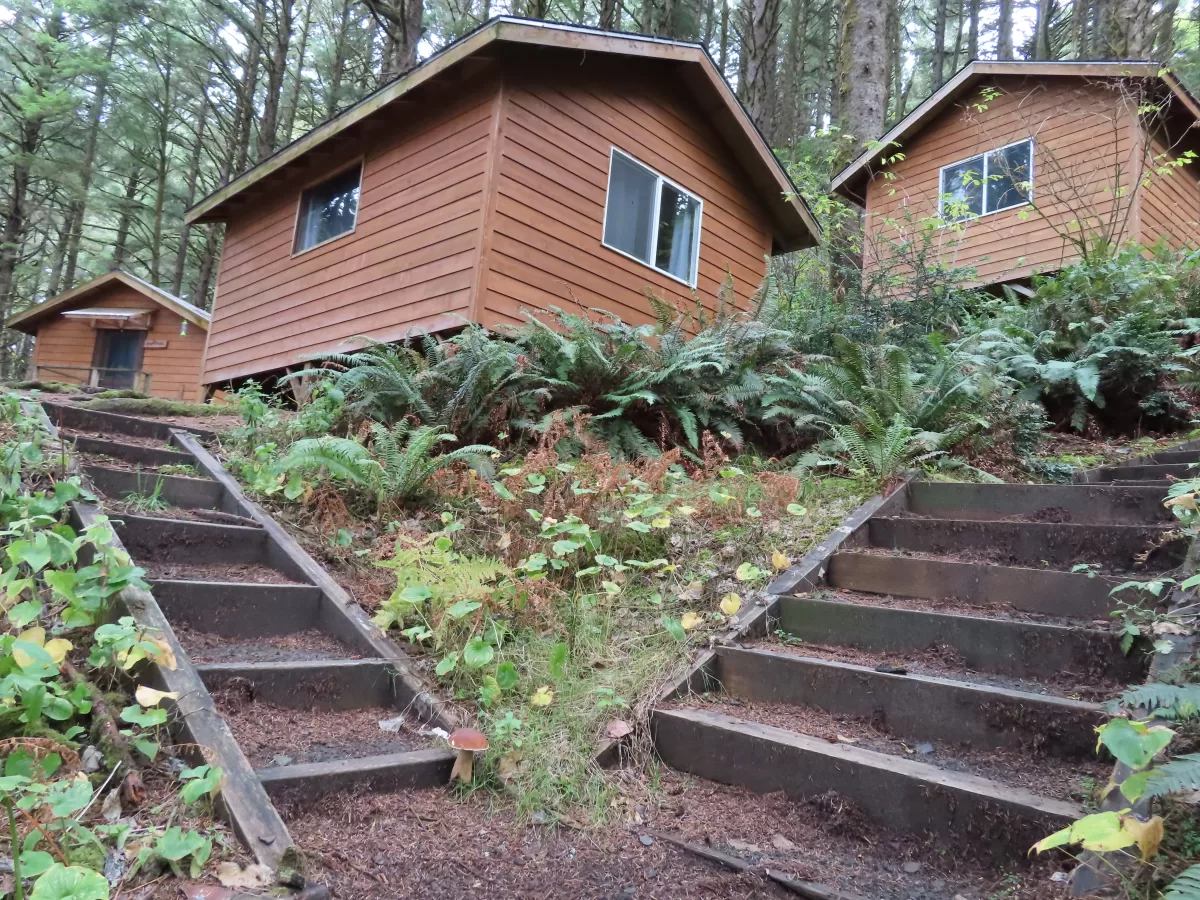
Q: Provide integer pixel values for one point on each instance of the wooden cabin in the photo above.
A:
(117, 331)
(1010, 164)
(526, 166)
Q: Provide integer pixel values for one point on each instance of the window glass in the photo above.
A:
(962, 189)
(651, 219)
(630, 207)
(1008, 179)
(328, 209)
(678, 216)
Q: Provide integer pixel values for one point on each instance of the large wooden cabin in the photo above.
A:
(1013, 162)
(526, 166)
(117, 331)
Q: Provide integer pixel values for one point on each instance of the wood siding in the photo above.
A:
(481, 208)
(1087, 152)
(544, 247)
(408, 265)
(70, 343)
(1170, 201)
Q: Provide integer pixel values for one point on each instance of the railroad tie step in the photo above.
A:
(174, 490)
(138, 454)
(71, 417)
(1047, 592)
(1040, 544)
(915, 707)
(237, 609)
(1143, 472)
(328, 684)
(894, 791)
(161, 540)
(1001, 646)
(1081, 504)
(409, 770)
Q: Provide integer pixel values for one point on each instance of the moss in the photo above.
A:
(157, 407)
(49, 387)
(123, 394)
(89, 856)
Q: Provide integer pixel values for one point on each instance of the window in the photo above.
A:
(327, 209)
(988, 183)
(651, 219)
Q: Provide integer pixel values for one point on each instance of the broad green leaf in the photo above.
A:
(558, 660)
(462, 608)
(35, 862)
(506, 676)
(447, 665)
(1134, 743)
(478, 653)
(61, 882)
(674, 628)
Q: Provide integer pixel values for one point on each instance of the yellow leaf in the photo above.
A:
(58, 649)
(1147, 834)
(779, 561)
(1187, 501)
(731, 604)
(543, 696)
(165, 656)
(685, 510)
(21, 658)
(148, 696)
(35, 635)
(690, 620)
(661, 522)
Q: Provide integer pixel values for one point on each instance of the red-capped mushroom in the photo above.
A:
(468, 742)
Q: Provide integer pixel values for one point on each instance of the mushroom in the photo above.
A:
(468, 742)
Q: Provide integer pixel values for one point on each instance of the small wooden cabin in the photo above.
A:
(117, 331)
(526, 166)
(1013, 161)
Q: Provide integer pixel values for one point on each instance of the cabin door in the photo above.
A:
(118, 357)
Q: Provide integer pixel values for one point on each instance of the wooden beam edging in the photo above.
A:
(807, 574)
(1090, 476)
(242, 799)
(352, 616)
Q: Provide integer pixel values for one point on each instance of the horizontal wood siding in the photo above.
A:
(551, 178)
(1086, 155)
(408, 265)
(1170, 200)
(174, 369)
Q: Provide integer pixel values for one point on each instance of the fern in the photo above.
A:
(407, 457)
(1186, 885)
(1178, 775)
(338, 457)
(1173, 701)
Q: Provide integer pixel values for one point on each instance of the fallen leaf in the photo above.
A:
(148, 696)
(232, 875)
(133, 792)
(731, 604)
(689, 621)
(165, 655)
(780, 561)
(509, 765)
(35, 635)
(110, 808)
(1166, 627)
(692, 592)
(779, 842)
(58, 649)
(392, 725)
(617, 729)
(743, 847)
(842, 739)
(205, 892)
(543, 696)
(504, 542)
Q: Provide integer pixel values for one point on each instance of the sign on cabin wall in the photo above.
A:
(155, 345)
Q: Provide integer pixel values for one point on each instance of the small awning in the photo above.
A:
(132, 319)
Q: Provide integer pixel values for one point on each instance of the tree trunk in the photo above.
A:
(339, 63)
(192, 184)
(1165, 41)
(939, 43)
(724, 60)
(78, 205)
(760, 35)
(125, 219)
(402, 22)
(958, 40)
(608, 14)
(162, 166)
(245, 108)
(973, 31)
(862, 71)
(1042, 44)
(293, 104)
(1004, 29)
(281, 39)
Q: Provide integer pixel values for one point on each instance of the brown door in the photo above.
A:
(118, 356)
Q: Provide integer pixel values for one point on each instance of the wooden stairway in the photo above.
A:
(938, 663)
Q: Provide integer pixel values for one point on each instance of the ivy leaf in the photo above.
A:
(478, 653)
(506, 676)
(24, 613)
(35, 862)
(176, 844)
(447, 665)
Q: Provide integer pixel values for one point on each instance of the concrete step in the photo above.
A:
(174, 490)
(896, 792)
(1005, 647)
(1078, 504)
(915, 707)
(1037, 544)
(134, 453)
(1048, 592)
(330, 684)
(300, 785)
(238, 609)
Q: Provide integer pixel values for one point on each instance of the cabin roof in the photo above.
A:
(29, 320)
(852, 181)
(792, 223)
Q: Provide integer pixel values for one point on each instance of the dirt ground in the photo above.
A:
(428, 844)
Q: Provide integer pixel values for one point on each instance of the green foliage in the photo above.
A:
(1186, 885)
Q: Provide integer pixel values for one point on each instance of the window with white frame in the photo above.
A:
(328, 209)
(651, 219)
(993, 181)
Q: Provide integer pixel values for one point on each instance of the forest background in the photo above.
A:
(117, 115)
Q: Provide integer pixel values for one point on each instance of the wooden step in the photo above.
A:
(896, 792)
(1143, 472)
(174, 490)
(331, 684)
(916, 707)
(1048, 592)
(196, 543)
(239, 610)
(1078, 504)
(134, 453)
(300, 784)
(1019, 649)
(1036, 544)
(72, 416)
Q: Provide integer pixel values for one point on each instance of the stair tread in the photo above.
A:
(308, 645)
(339, 764)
